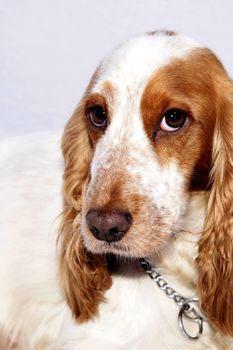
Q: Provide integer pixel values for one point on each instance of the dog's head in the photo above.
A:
(155, 123)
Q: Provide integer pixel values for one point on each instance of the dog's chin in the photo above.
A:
(123, 248)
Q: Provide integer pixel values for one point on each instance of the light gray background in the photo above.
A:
(50, 48)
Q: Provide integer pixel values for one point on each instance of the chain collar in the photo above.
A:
(187, 309)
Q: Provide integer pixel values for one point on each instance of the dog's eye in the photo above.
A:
(97, 116)
(173, 120)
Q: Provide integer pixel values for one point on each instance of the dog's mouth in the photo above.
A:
(131, 246)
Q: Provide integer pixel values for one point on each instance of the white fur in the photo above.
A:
(132, 63)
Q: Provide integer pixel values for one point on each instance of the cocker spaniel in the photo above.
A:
(147, 185)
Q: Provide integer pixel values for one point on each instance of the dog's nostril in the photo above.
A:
(114, 230)
(108, 225)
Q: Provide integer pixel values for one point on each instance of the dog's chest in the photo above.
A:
(136, 315)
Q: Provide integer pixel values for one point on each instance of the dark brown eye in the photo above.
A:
(97, 116)
(173, 120)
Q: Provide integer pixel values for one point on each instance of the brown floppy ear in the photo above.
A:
(215, 260)
(84, 276)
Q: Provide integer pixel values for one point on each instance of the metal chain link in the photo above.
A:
(187, 309)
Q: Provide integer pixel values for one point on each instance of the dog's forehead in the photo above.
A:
(130, 65)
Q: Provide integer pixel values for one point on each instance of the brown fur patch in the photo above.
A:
(184, 84)
(215, 260)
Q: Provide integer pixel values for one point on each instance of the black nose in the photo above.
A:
(108, 225)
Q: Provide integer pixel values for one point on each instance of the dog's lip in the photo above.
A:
(110, 247)
(114, 245)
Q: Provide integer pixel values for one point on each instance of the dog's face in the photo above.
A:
(155, 123)
(150, 116)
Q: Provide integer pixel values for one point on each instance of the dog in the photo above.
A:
(147, 181)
